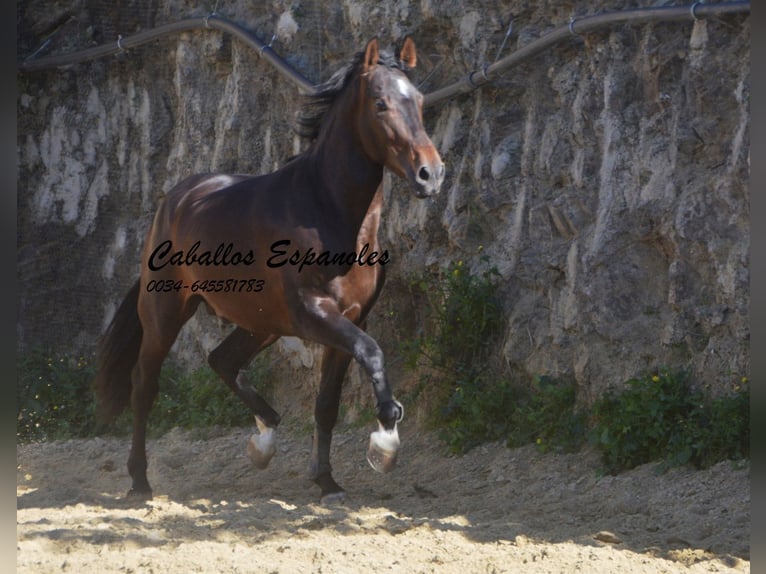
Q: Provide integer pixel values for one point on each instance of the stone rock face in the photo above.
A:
(606, 179)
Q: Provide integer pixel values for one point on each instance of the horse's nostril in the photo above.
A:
(424, 174)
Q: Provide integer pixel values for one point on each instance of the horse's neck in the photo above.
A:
(347, 178)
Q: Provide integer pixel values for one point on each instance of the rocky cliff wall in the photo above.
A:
(606, 179)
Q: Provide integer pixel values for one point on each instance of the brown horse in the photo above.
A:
(294, 252)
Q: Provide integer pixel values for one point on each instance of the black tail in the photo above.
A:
(118, 352)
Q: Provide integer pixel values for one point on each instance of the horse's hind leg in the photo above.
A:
(145, 387)
(334, 366)
(227, 359)
(162, 317)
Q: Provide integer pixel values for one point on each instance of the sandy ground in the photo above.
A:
(491, 510)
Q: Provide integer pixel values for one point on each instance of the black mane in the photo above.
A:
(308, 120)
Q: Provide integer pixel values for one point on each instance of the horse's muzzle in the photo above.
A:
(429, 178)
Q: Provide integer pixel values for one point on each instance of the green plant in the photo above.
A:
(550, 417)
(200, 399)
(55, 399)
(717, 429)
(455, 355)
(661, 417)
(479, 410)
(469, 318)
(53, 396)
(474, 401)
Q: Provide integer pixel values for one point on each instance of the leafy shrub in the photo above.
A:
(468, 319)
(466, 315)
(719, 429)
(544, 413)
(550, 417)
(476, 402)
(55, 399)
(479, 410)
(198, 399)
(661, 417)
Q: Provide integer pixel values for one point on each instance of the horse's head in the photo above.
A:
(391, 121)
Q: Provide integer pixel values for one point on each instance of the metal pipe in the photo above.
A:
(577, 26)
(468, 83)
(211, 21)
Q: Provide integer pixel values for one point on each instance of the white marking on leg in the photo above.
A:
(262, 445)
(384, 445)
(387, 440)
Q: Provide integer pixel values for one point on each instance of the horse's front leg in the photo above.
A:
(326, 325)
(384, 442)
(334, 366)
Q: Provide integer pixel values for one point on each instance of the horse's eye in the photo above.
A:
(381, 105)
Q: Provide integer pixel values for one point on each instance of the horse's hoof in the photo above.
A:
(262, 445)
(139, 495)
(333, 498)
(384, 446)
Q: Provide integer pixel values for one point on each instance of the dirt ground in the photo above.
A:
(491, 510)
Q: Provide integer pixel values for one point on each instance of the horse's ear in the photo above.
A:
(408, 55)
(371, 55)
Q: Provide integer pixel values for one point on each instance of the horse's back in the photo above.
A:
(198, 186)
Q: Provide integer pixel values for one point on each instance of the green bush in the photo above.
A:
(55, 399)
(470, 318)
(661, 417)
(544, 413)
(550, 417)
(199, 399)
(475, 401)
(467, 320)
(478, 410)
